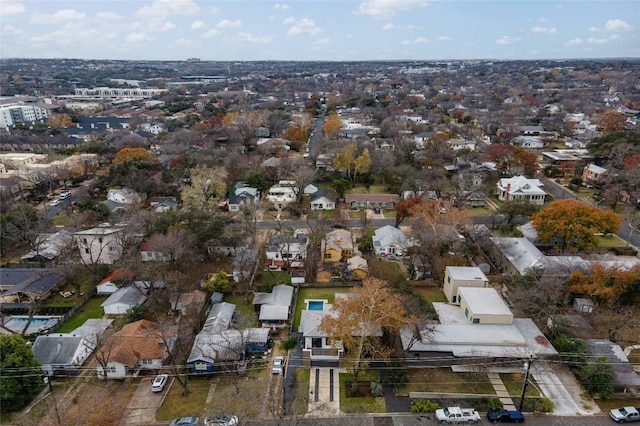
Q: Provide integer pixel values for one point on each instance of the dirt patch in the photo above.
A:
(362, 389)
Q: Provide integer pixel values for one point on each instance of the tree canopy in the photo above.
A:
(20, 374)
(571, 224)
(601, 146)
(142, 155)
(611, 284)
(352, 164)
(360, 319)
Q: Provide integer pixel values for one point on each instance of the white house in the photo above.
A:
(521, 188)
(109, 284)
(125, 298)
(124, 196)
(100, 245)
(533, 142)
(389, 241)
(287, 251)
(281, 196)
(462, 276)
(323, 199)
(274, 307)
(458, 144)
(50, 246)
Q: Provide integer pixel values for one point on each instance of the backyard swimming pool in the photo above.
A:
(38, 324)
(315, 305)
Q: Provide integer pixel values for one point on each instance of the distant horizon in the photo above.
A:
(320, 30)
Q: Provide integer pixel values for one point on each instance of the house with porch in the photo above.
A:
(389, 241)
(521, 188)
(369, 201)
(287, 251)
(323, 199)
(140, 345)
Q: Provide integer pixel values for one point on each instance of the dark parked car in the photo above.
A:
(505, 416)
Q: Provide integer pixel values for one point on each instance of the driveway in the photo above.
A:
(144, 404)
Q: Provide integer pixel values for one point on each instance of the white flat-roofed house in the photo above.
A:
(484, 306)
(462, 276)
(521, 188)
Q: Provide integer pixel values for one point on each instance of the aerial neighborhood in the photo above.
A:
(279, 240)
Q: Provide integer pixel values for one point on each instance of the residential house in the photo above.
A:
(64, 353)
(228, 246)
(216, 343)
(126, 298)
(14, 188)
(287, 252)
(530, 142)
(163, 204)
(482, 327)
(100, 245)
(357, 268)
(122, 198)
(190, 303)
(114, 281)
(421, 138)
(281, 196)
(20, 284)
(626, 380)
(389, 241)
(149, 254)
(369, 201)
(323, 199)
(324, 162)
(563, 163)
(458, 144)
(462, 276)
(273, 308)
(311, 188)
(337, 245)
(49, 246)
(593, 174)
(521, 188)
(242, 195)
(530, 130)
(140, 345)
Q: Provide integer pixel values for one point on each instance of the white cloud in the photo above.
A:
(253, 39)
(614, 37)
(64, 15)
(388, 8)
(162, 9)
(573, 42)
(197, 25)
(543, 19)
(593, 29)
(543, 30)
(281, 6)
(594, 40)
(617, 25)
(10, 29)
(388, 26)
(11, 8)
(108, 16)
(138, 38)
(302, 26)
(444, 38)
(225, 23)
(420, 40)
(181, 43)
(166, 26)
(505, 40)
(211, 33)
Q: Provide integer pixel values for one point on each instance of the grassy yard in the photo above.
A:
(513, 383)
(91, 309)
(446, 381)
(373, 189)
(610, 241)
(432, 294)
(608, 404)
(271, 278)
(301, 405)
(246, 311)
(194, 404)
(369, 404)
(327, 293)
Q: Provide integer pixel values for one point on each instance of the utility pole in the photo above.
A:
(47, 380)
(527, 368)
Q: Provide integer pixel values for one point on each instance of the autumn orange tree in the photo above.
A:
(141, 155)
(573, 225)
(332, 126)
(403, 209)
(606, 284)
(297, 135)
(359, 320)
(352, 164)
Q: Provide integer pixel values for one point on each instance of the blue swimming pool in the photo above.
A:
(38, 323)
(315, 305)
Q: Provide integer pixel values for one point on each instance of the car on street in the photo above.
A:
(159, 382)
(224, 420)
(505, 416)
(184, 421)
(65, 194)
(54, 203)
(625, 414)
(278, 365)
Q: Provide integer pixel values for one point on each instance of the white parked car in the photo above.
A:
(159, 382)
(65, 194)
(278, 365)
(225, 420)
(54, 203)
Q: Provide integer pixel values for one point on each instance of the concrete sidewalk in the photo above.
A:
(501, 391)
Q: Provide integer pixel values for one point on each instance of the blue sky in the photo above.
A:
(337, 30)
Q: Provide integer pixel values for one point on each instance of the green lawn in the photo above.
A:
(513, 383)
(301, 405)
(91, 309)
(327, 293)
(444, 380)
(610, 241)
(432, 294)
(246, 310)
(194, 404)
(370, 404)
(373, 189)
